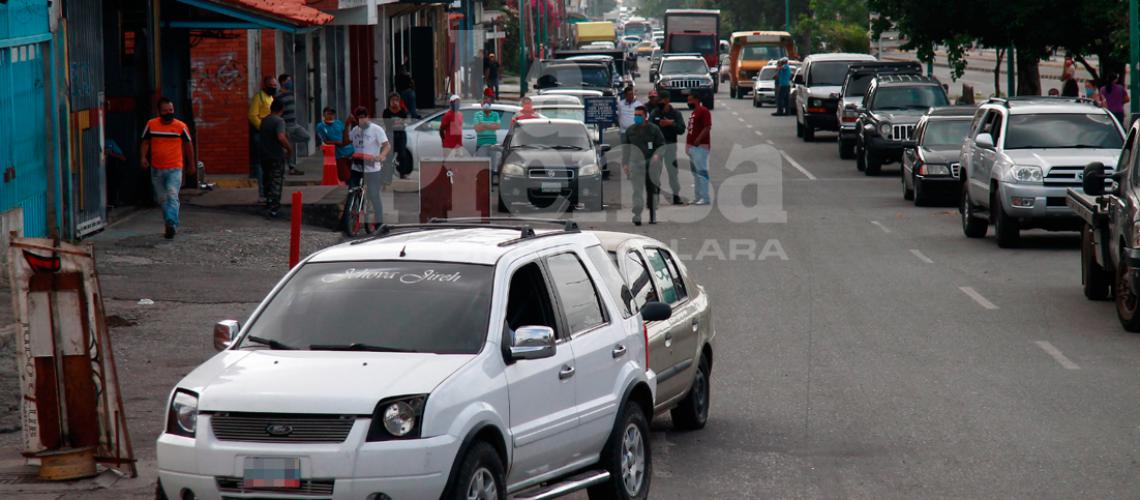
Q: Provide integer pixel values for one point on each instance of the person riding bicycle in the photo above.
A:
(371, 147)
(395, 118)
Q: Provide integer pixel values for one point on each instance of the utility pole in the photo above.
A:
(1011, 72)
(1133, 57)
(788, 15)
(522, 48)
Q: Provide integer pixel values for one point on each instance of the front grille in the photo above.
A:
(748, 74)
(902, 132)
(1065, 176)
(313, 487)
(550, 173)
(684, 84)
(291, 428)
(956, 170)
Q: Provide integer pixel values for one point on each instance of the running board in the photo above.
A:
(567, 486)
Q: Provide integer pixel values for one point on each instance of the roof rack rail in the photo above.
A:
(525, 230)
(567, 224)
(1029, 98)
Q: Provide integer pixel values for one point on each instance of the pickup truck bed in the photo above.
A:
(1091, 209)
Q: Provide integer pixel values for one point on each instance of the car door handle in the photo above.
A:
(669, 339)
(619, 351)
(696, 325)
(567, 372)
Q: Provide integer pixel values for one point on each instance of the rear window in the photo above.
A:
(762, 52)
(857, 85)
(685, 43)
(1093, 130)
(828, 72)
(946, 132)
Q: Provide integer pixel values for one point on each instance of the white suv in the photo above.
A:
(454, 360)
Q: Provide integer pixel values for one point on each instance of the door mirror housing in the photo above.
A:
(225, 332)
(656, 311)
(606, 148)
(798, 79)
(532, 342)
(1093, 182)
(984, 140)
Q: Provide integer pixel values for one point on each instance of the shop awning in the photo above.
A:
(292, 16)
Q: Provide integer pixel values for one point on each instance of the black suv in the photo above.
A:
(855, 86)
(888, 115)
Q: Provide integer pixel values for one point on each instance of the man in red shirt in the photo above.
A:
(451, 129)
(165, 150)
(697, 145)
(527, 112)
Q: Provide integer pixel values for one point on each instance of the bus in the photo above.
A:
(638, 27)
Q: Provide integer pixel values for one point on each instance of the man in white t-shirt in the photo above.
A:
(627, 107)
(370, 149)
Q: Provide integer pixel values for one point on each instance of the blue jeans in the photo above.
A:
(783, 96)
(699, 156)
(167, 182)
(409, 97)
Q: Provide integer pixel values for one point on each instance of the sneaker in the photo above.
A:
(169, 233)
(701, 202)
(637, 220)
(294, 171)
(678, 200)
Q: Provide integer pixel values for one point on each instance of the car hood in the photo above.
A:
(550, 157)
(766, 84)
(900, 116)
(345, 383)
(1048, 158)
(823, 91)
(940, 154)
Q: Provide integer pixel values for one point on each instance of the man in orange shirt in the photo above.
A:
(166, 147)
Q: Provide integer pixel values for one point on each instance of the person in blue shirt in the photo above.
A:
(332, 131)
(783, 87)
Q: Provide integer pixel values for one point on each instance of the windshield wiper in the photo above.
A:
(356, 346)
(273, 344)
(563, 146)
(529, 146)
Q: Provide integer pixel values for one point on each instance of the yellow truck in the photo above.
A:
(598, 31)
(750, 51)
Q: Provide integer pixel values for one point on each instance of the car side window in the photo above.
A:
(637, 278)
(576, 293)
(995, 127)
(986, 123)
(611, 278)
(1128, 158)
(529, 302)
(434, 123)
(978, 122)
(674, 273)
(660, 270)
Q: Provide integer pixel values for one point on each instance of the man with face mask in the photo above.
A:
(166, 150)
(333, 132)
(258, 110)
(451, 129)
(487, 123)
(297, 133)
(641, 164)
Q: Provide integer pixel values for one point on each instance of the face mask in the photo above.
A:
(1089, 92)
(639, 119)
(167, 117)
(455, 106)
(330, 120)
(269, 90)
(288, 85)
(363, 121)
(486, 107)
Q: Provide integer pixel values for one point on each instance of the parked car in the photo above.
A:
(551, 164)
(1021, 156)
(527, 370)
(887, 116)
(423, 136)
(815, 91)
(681, 75)
(618, 79)
(680, 349)
(930, 169)
(565, 107)
(764, 86)
(567, 74)
(654, 64)
(855, 85)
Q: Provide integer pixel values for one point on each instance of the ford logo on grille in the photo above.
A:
(279, 430)
(1080, 175)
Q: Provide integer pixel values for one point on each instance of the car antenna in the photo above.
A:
(404, 250)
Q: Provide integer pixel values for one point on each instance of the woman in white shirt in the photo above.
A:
(371, 148)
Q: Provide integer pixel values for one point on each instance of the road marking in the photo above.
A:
(734, 113)
(741, 120)
(759, 133)
(973, 294)
(921, 256)
(769, 141)
(1057, 355)
(797, 165)
(749, 125)
(881, 226)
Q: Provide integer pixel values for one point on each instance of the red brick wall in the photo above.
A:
(268, 53)
(219, 73)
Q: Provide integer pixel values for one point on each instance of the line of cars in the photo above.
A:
(457, 359)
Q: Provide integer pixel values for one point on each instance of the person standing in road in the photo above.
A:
(371, 148)
(1115, 97)
(275, 150)
(395, 119)
(527, 112)
(166, 149)
(653, 101)
(783, 87)
(491, 73)
(451, 129)
(406, 87)
(296, 132)
(487, 124)
(333, 132)
(672, 124)
(641, 163)
(627, 107)
(258, 110)
(697, 145)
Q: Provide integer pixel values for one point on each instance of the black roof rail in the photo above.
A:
(1005, 101)
(568, 225)
(522, 225)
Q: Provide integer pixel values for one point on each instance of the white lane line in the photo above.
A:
(1067, 363)
(973, 294)
(734, 113)
(749, 125)
(769, 141)
(881, 226)
(921, 256)
(797, 165)
(741, 120)
(759, 133)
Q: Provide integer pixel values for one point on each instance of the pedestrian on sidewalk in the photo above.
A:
(166, 150)
(371, 149)
(487, 125)
(1069, 87)
(491, 73)
(672, 124)
(406, 87)
(275, 150)
(627, 108)
(698, 143)
(641, 163)
(451, 129)
(334, 132)
(783, 79)
(297, 133)
(258, 110)
(1114, 96)
(395, 119)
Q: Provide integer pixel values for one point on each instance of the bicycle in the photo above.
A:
(356, 211)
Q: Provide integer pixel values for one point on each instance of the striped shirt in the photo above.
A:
(166, 142)
(289, 100)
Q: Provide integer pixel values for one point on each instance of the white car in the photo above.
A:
(464, 359)
(423, 136)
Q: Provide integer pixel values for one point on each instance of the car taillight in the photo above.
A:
(645, 336)
(921, 168)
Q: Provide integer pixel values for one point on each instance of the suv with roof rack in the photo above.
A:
(458, 359)
(888, 115)
(855, 86)
(1021, 156)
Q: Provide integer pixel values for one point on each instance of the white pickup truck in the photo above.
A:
(463, 359)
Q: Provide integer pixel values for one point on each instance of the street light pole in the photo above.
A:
(522, 48)
(1133, 56)
(788, 15)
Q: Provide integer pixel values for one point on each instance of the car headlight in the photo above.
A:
(934, 169)
(589, 170)
(885, 129)
(1026, 173)
(182, 419)
(512, 169)
(397, 418)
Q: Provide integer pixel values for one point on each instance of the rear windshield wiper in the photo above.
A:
(356, 346)
(273, 344)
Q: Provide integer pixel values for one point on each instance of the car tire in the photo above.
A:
(846, 149)
(693, 412)
(1006, 231)
(872, 164)
(480, 475)
(1127, 303)
(627, 458)
(973, 227)
(1097, 282)
(921, 199)
(732, 92)
(711, 104)
(799, 128)
(757, 104)
(859, 164)
(908, 193)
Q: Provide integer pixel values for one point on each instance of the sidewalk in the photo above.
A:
(1049, 70)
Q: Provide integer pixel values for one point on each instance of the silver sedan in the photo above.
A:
(423, 136)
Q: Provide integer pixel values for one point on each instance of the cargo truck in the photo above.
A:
(587, 33)
(694, 31)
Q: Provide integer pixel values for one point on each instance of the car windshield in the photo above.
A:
(692, 43)
(768, 73)
(918, 97)
(575, 75)
(762, 52)
(1093, 130)
(683, 67)
(562, 113)
(828, 72)
(400, 306)
(550, 135)
(946, 132)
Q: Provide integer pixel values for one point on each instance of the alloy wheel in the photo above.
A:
(482, 486)
(632, 459)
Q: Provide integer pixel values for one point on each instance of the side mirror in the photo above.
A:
(225, 332)
(1093, 181)
(798, 79)
(984, 140)
(656, 311)
(606, 148)
(533, 342)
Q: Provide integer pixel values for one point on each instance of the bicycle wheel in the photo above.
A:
(354, 213)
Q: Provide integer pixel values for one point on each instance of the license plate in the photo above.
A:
(551, 187)
(272, 472)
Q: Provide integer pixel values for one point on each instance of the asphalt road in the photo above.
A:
(889, 356)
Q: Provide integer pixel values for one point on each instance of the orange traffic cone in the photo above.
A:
(329, 177)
